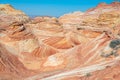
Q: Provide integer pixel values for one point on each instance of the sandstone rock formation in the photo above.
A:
(75, 46)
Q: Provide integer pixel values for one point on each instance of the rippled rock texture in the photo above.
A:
(75, 46)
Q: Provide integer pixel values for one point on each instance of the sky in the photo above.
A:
(52, 7)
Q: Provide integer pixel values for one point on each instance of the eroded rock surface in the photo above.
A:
(75, 46)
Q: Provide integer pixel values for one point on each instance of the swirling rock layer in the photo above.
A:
(75, 46)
